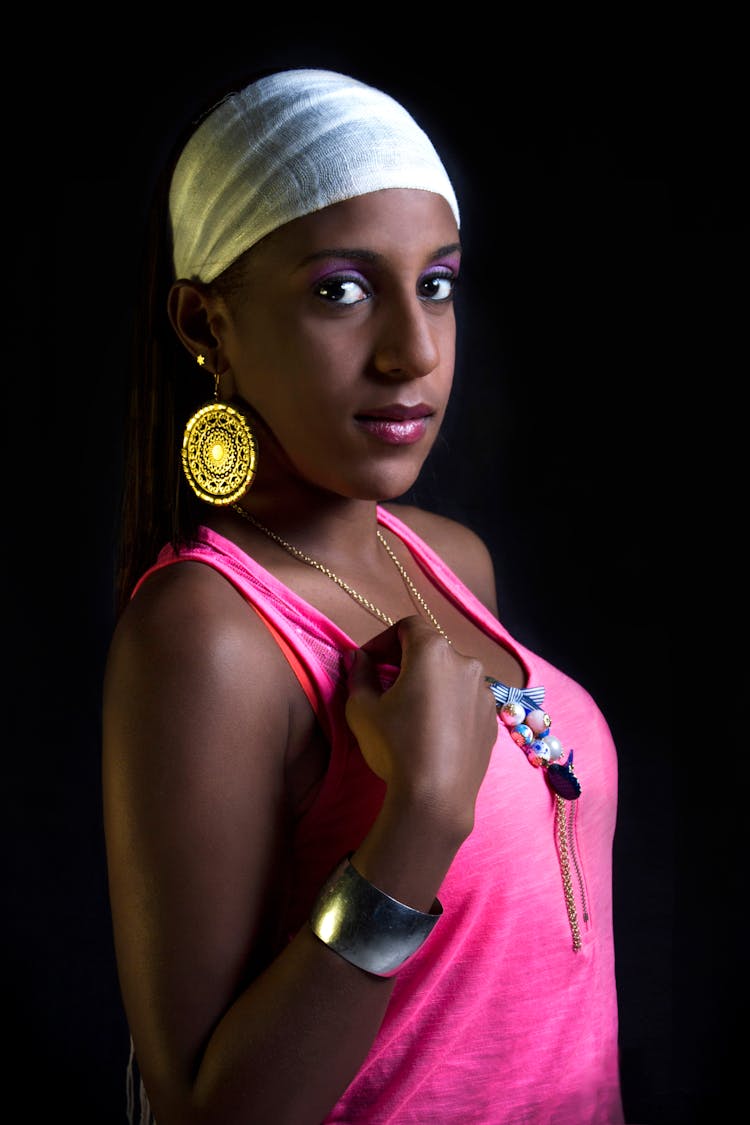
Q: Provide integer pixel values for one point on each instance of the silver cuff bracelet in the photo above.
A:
(367, 927)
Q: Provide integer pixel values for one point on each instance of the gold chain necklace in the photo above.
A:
(563, 820)
(360, 598)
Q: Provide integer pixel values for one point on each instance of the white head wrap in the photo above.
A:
(287, 145)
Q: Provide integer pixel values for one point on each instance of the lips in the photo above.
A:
(397, 412)
(396, 424)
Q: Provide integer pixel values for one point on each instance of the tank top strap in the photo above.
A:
(312, 645)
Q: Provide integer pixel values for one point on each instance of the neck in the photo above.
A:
(332, 528)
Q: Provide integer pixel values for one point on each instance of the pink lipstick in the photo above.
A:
(396, 424)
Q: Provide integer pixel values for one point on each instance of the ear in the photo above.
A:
(192, 312)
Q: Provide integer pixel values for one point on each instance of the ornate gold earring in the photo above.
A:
(218, 451)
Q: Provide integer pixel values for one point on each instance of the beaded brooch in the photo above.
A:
(521, 711)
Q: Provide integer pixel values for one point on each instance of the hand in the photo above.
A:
(430, 734)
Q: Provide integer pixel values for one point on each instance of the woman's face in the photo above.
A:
(342, 339)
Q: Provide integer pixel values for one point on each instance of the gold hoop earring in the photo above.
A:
(218, 451)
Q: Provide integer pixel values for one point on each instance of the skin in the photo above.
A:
(209, 742)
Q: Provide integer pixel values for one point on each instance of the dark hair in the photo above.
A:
(166, 388)
(156, 506)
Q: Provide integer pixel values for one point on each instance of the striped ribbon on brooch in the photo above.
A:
(530, 698)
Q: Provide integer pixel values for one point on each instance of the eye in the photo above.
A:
(342, 290)
(437, 286)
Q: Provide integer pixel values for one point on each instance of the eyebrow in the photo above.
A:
(362, 255)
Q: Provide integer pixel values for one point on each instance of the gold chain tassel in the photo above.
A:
(562, 837)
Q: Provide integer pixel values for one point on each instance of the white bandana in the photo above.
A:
(286, 146)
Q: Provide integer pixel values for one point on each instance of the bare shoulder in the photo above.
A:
(458, 546)
(189, 655)
(190, 614)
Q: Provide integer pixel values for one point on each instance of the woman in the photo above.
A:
(349, 877)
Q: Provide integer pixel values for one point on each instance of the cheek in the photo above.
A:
(445, 340)
(320, 364)
(341, 343)
(262, 356)
(283, 338)
(448, 340)
(297, 380)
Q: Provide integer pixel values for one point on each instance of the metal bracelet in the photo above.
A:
(366, 926)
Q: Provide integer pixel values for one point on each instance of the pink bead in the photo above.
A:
(512, 714)
(538, 720)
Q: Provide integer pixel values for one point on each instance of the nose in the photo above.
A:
(408, 339)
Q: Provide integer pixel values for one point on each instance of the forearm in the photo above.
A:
(407, 853)
(291, 1043)
(297, 1036)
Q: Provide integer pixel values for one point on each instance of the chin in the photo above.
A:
(371, 478)
(382, 486)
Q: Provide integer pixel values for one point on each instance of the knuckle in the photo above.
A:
(473, 668)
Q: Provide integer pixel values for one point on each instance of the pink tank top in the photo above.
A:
(496, 1021)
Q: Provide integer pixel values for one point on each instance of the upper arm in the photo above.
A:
(458, 546)
(196, 720)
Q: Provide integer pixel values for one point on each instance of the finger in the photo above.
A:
(413, 633)
(385, 647)
(362, 676)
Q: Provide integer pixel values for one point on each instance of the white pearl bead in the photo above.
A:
(554, 745)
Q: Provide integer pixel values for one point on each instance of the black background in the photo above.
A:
(600, 173)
